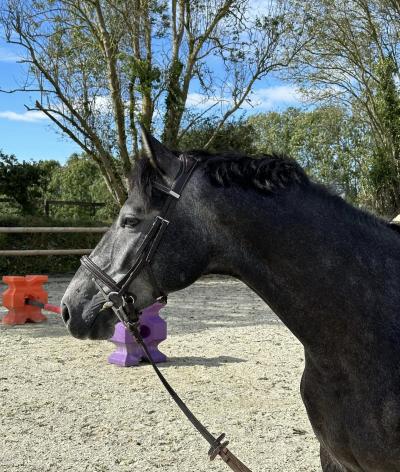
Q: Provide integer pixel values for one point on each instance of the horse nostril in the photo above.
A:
(65, 313)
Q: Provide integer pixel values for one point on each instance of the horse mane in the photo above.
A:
(269, 173)
(265, 173)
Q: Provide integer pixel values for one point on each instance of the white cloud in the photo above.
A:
(197, 100)
(99, 103)
(103, 103)
(263, 99)
(27, 116)
(260, 8)
(8, 56)
(269, 98)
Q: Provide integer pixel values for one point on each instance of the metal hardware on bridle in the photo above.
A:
(150, 242)
(122, 302)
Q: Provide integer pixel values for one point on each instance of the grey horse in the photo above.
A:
(329, 271)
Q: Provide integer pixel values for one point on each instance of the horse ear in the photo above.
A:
(162, 159)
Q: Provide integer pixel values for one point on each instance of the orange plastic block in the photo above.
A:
(19, 289)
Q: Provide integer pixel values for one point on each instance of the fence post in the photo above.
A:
(46, 207)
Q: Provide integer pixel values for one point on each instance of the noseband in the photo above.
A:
(119, 297)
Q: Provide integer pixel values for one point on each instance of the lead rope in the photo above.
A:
(217, 447)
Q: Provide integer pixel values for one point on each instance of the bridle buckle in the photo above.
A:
(117, 300)
(217, 447)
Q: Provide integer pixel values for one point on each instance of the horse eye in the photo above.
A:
(130, 222)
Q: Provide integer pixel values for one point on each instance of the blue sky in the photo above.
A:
(30, 136)
(26, 135)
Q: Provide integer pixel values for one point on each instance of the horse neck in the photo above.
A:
(309, 257)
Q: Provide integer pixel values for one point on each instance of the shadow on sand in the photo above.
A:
(194, 361)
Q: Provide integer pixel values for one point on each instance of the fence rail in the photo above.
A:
(50, 229)
(53, 229)
(45, 252)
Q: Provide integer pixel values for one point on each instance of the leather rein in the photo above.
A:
(122, 301)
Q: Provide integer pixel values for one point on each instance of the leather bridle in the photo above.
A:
(122, 301)
(119, 295)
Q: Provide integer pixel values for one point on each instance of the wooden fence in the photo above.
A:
(49, 252)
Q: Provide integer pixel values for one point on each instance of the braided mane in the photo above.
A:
(267, 173)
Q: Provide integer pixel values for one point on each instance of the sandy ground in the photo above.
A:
(64, 408)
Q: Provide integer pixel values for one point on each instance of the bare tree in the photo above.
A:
(352, 57)
(99, 67)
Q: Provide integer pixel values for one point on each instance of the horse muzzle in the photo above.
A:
(94, 321)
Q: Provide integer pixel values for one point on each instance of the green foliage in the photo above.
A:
(80, 180)
(22, 181)
(274, 131)
(149, 76)
(352, 59)
(232, 136)
(383, 187)
(385, 167)
(29, 184)
(388, 99)
(328, 142)
(47, 168)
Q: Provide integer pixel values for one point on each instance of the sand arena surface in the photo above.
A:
(64, 408)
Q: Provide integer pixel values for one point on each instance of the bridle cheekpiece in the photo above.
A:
(118, 297)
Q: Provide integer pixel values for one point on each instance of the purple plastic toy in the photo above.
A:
(153, 330)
